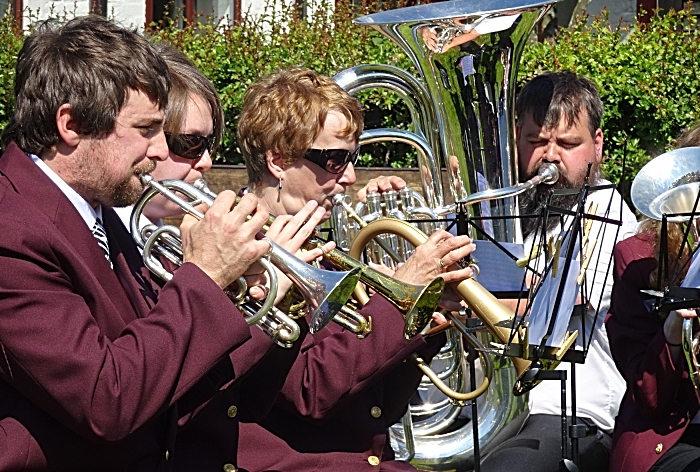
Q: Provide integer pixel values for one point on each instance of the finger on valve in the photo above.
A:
(223, 243)
(381, 184)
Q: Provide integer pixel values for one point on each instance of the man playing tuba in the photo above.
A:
(558, 121)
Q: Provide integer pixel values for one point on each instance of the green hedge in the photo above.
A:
(326, 40)
(647, 74)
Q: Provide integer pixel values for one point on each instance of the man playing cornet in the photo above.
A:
(95, 354)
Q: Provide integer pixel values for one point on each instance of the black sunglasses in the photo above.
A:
(190, 146)
(333, 160)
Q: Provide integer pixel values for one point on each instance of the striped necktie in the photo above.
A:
(101, 236)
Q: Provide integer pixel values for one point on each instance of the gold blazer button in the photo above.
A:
(373, 460)
(232, 411)
(229, 468)
(659, 448)
(376, 412)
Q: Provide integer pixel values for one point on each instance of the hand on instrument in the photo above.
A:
(429, 37)
(223, 243)
(381, 184)
(434, 257)
(674, 324)
(258, 284)
(291, 232)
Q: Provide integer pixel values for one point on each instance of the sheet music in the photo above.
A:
(498, 270)
(543, 305)
(692, 278)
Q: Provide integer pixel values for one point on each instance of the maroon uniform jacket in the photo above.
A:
(92, 360)
(207, 439)
(659, 402)
(339, 398)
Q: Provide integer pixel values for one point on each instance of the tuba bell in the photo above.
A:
(461, 103)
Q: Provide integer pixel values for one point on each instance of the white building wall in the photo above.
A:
(133, 12)
(619, 9)
(127, 12)
(41, 9)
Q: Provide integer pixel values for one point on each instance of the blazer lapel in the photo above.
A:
(39, 190)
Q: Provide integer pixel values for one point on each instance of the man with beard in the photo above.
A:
(97, 359)
(558, 121)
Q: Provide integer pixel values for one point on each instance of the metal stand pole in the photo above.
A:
(566, 464)
(473, 323)
(576, 430)
(574, 437)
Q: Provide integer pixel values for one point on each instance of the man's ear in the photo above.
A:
(66, 125)
(598, 142)
(275, 164)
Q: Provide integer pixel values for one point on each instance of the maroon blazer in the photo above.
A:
(339, 398)
(660, 401)
(207, 438)
(93, 360)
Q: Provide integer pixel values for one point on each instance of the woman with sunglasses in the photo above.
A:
(207, 437)
(299, 134)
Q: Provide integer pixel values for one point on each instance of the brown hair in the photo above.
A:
(186, 80)
(285, 112)
(553, 95)
(91, 64)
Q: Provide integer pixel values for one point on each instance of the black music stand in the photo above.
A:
(555, 289)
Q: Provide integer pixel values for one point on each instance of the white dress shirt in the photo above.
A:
(599, 385)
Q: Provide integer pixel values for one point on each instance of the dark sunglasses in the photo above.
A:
(190, 146)
(333, 160)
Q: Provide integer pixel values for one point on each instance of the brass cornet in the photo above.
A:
(325, 292)
(346, 316)
(416, 302)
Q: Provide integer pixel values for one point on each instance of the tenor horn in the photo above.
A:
(325, 292)
(461, 103)
(668, 184)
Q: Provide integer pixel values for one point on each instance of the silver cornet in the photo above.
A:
(325, 292)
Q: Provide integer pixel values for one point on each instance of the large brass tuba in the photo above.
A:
(461, 101)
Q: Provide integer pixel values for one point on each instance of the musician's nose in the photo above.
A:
(552, 154)
(204, 163)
